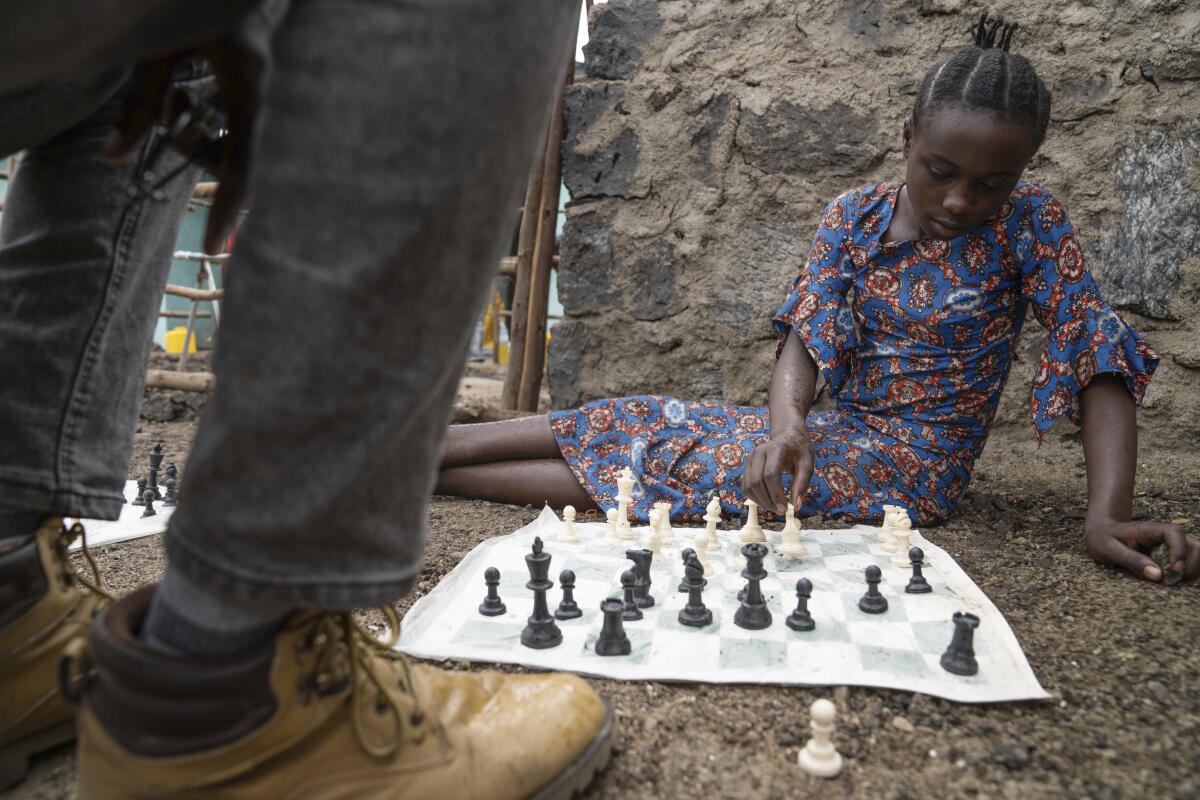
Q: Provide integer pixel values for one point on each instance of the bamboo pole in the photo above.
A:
(185, 381)
(534, 357)
(194, 294)
(525, 241)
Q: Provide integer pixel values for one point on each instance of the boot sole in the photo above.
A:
(579, 775)
(14, 756)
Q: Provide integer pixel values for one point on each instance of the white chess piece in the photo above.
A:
(702, 557)
(568, 532)
(612, 535)
(819, 757)
(791, 546)
(664, 522)
(752, 531)
(889, 523)
(712, 516)
(624, 498)
(901, 541)
(654, 540)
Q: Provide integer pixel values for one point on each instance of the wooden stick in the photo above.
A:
(508, 266)
(534, 357)
(184, 314)
(184, 381)
(520, 306)
(194, 294)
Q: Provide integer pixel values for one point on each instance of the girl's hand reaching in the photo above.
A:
(1126, 544)
(788, 451)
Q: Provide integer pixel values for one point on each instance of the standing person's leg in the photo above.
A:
(82, 267)
(395, 140)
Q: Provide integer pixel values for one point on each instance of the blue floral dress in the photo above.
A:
(915, 340)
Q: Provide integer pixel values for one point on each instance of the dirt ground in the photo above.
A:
(1118, 654)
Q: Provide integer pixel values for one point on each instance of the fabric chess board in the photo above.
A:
(131, 525)
(899, 649)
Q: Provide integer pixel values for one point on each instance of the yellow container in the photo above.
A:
(174, 340)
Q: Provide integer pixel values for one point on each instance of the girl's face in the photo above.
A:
(962, 166)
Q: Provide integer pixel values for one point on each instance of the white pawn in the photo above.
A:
(702, 557)
(654, 541)
(903, 535)
(664, 522)
(752, 531)
(791, 545)
(568, 532)
(711, 517)
(612, 535)
(819, 757)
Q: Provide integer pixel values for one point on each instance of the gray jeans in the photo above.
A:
(396, 139)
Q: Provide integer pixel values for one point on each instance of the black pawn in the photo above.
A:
(567, 608)
(694, 614)
(612, 641)
(687, 554)
(172, 472)
(753, 613)
(631, 612)
(492, 605)
(170, 498)
(873, 602)
(148, 501)
(540, 630)
(641, 570)
(959, 657)
(800, 619)
(917, 583)
(140, 500)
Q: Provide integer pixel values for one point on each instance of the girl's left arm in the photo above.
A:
(1110, 451)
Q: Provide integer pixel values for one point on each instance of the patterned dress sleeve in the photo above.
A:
(817, 308)
(1086, 337)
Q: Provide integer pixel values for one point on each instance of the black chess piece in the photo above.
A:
(612, 640)
(753, 612)
(156, 457)
(567, 607)
(686, 554)
(140, 499)
(540, 630)
(917, 583)
(959, 657)
(801, 619)
(631, 612)
(172, 472)
(641, 571)
(170, 498)
(148, 501)
(492, 605)
(873, 602)
(694, 614)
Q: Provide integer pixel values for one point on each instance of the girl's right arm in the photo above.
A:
(788, 450)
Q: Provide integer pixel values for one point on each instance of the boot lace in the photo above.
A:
(345, 652)
(66, 537)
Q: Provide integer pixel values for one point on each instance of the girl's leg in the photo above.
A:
(507, 440)
(523, 482)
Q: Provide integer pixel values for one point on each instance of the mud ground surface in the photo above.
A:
(1118, 654)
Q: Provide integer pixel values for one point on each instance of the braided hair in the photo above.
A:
(985, 76)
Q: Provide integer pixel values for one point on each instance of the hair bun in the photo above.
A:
(996, 34)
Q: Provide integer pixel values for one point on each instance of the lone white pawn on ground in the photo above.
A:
(819, 757)
(568, 532)
(791, 546)
(612, 535)
(902, 538)
(752, 531)
(624, 498)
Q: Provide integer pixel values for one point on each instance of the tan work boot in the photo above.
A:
(323, 711)
(43, 607)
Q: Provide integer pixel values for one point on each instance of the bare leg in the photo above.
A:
(507, 440)
(517, 482)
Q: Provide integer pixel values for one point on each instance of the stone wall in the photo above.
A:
(705, 136)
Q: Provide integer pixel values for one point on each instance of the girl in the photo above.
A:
(910, 305)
